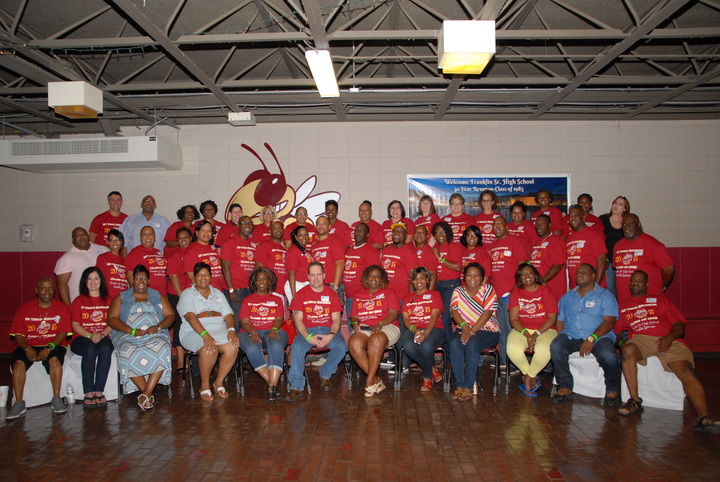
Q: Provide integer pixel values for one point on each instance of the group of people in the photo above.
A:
(468, 283)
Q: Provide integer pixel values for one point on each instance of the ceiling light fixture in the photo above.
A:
(241, 118)
(75, 99)
(322, 70)
(466, 46)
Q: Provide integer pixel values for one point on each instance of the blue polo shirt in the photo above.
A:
(582, 315)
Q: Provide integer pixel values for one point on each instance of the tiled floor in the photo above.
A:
(405, 435)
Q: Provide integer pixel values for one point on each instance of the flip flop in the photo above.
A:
(528, 393)
(206, 396)
(535, 388)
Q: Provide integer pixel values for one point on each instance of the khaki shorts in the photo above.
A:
(391, 331)
(648, 347)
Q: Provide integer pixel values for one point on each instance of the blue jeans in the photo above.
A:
(95, 365)
(446, 288)
(465, 359)
(300, 347)
(424, 353)
(604, 352)
(236, 306)
(275, 349)
(348, 309)
(504, 323)
(610, 278)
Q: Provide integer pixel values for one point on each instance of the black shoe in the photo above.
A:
(272, 394)
(612, 402)
(562, 398)
(294, 395)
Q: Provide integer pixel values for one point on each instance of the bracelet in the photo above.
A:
(412, 328)
(333, 334)
(232, 328)
(201, 334)
(537, 332)
(523, 331)
(441, 260)
(621, 342)
(132, 333)
(51, 344)
(89, 335)
(307, 338)
(354, 322)
(463, 324)
(594, 336)
(276, 328)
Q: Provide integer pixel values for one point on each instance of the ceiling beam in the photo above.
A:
(33, 112)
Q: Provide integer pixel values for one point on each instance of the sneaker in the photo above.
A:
(385, 365)
(57, 405)
(392, 370)
(319, 362)
(16, 411)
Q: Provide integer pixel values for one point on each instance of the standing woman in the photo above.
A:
(521, 227)
(261, 318)
(140, 318)
(208, 329)
(473, 250)
(473, 309)
(533, 312)
(612, 224)
(544, 198)
(448, 269)
(458, 219)
(112, 264)
(375, 327)
(209, 210)
(427, 214)
(261, 232)
(177, 281)
(421, 316)
(396, 214)
(488, 202)
(89, 322)
(231, 228)
(187, 216)
(203, 250)
(297, 262)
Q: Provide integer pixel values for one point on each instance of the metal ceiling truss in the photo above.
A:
(193, 61)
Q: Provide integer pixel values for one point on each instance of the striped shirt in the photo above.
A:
(471, 308)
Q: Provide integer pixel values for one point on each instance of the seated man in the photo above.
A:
(655, 328)
(40, 328)
(316, 310)
(586, 317)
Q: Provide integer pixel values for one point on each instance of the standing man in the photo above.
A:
(134, 223)
(584, 245)
(375, 236)
(640, 251)
(316, 310)
(586, 317)
(40, 328)
(110, 219)
(301, 219)
(238, 261)
(655, 328)
(339, 229)
(357, 257)
(425, 254)
(70, 266)
(506, 253)
(152, 258)
(271, 254)
(548, 256)
(398, 259)
(328, 251)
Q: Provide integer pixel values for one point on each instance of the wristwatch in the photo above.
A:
(591, 339)
(231, 290)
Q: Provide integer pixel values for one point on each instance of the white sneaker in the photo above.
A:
(319, 362)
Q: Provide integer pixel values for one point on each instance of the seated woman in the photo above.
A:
(472, 308)
(140, 318)
(89, 322)
(261, 318)
(208, 329)
(421, 316)
(533, 312)
(374, 316)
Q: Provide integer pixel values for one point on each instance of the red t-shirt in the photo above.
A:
(535, 306)
(451, 252)
(113, 268)
(155, 262)
(262, 310)
(547, 253)
(317, 308)
(525, 231)
(505, 256)
(459, 224)
(90, 312)
(387, 230)
(652, 315)
(428, 221)
(556, 218)
(341, 231)
(296, 260)
(398, 262)
(241, 254)
(645, 253)
(260, 233)
(476, 255)
(103, 223)
(376, 232)
(371, 309)
(272, 255)
(419, 308)
(357, 258)
(426, 257)
(40, 326)
(591, 221)
(229, 230)
(177, 266)
(328, 251)
(312, 234)
(485, 223)
(584, 246)
(196, 253)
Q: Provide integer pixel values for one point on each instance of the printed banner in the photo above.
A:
(508, 188)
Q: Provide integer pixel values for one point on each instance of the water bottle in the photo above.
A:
(70, 394)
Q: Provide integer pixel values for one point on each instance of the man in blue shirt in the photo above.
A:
(586, 318)
(134, 223)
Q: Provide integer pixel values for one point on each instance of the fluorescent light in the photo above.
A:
(322, 70)
(466, 46)
(75, 99)
(241, 118)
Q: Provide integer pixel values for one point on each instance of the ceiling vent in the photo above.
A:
(111, 154)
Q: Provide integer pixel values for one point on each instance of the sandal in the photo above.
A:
(707, 424)
(89, 402)
(371, 390)
(145, 404)
(206, 396)
(272, 395)
(528, 393)
(426, 385)
(535, 388)
(437, 376)
(101, 401)
(631, 407)
(380, 386)
(457, 394)
(221, 392)
(465, 396)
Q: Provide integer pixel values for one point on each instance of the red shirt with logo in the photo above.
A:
(113, 269)
(154, 261)
(584, 246)
(376, 232)
(90, 312)
(40, 326)
(645, 253)
(459, 224)
(371, 309)
(652, 315)
(419, 308)
(535, 306)
(241, 254)
(357, 258)
(103, 223)
(398, 262)
(545, 254)
(317, 308)
(272, 255)
(485, 223)
(298, 261)
(505, 256)
(262, 310)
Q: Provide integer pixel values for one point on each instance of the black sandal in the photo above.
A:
(89, 403)
(631, 407)
(707, 424)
